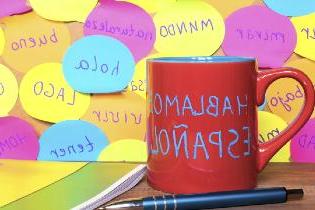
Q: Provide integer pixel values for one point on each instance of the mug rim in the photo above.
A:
(202, 59)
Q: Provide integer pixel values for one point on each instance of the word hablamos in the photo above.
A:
(211, 105)
(32, 42)
(171, 143)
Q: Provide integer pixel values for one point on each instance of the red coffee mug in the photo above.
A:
(202, 122)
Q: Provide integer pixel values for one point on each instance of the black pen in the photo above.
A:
(211, 200)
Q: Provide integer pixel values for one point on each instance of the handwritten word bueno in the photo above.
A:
(186, 27)
(169, 142)
(32, 42)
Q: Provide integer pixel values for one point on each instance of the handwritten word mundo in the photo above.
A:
(249, 34)
(117, 117)
(289, 97)
(1, 89)
(309, 32)
(128, 31)
(35, 42)
(96, 66)
(73, 149)
(186, 27)
(49, 90)
(11, 142)
(204, 105)
(178, 140)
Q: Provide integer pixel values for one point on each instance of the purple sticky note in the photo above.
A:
(126, 22)
(12, 7)
(18, 139)
(259, 32)
(303, 144)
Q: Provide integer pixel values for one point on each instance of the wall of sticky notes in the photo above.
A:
(73, 73)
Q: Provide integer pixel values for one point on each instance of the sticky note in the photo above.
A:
(249, 33)
(303, 144)
(2, 41)
(151, 6)
(305, 29)
(226, 7)
(46, 96)
(270, 126)
(291, 7)
(188, 28)
(262, 107)
(286, 96)
(61, 10)
(72, 140)
(126, 22)
(12, 7)
(28, 34)
(125, 150)
(8, 90)
(120, 115)
(18, 139)
(105, 63)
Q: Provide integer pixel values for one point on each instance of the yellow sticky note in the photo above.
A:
(36, 175)
(2, 41)
(269, 126)
(151, 6)
(46, 96)
(63, 10)
(286, 96)
(31, 40)
(226, 7)
(188, 28)
(119, 115)
(8, 90)
(126, 149)
(305, 30)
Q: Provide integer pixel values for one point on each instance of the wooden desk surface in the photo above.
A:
(290, 175)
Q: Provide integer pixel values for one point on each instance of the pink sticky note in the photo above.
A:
(18, 139)
(259, 32)
(303, 144)
(12, 7)
(126, 22)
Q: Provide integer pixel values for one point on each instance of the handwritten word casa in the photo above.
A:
(188, 28)
(44, 89)
(108, 69)
(28, 34)
(168, 142)
(207, 105)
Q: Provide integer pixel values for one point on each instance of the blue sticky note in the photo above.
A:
(291, 7)
(98, 64)
(72, 140)
(262, 107)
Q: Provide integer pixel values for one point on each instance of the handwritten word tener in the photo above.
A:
(186, 27)
(175, 142)
(126, 30)
(250, 34)
(213, 106)
(276, 101)
(48, 90)
(85, 147)
(96, 66)
(35, 42)
(11, 142)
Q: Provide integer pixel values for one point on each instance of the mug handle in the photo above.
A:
(268, 149)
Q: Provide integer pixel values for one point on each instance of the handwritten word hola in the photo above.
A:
(32, 42)
(48, 90)
(94, 66)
